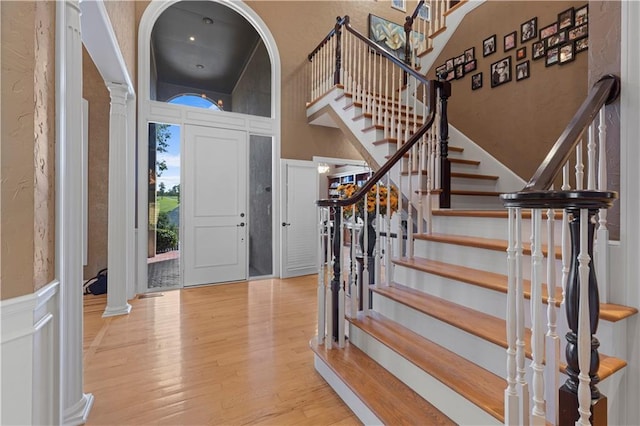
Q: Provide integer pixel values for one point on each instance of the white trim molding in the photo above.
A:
(630, 195)
(29, 348)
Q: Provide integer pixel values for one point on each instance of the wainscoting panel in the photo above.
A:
(30, 346)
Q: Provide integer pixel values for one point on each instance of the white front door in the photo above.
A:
(299, 218)
(214, 199)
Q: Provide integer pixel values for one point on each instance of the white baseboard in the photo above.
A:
(30, 347)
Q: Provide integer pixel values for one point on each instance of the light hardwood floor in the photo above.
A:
(234, 354)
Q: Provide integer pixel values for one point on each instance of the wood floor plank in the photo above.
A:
(233, 354)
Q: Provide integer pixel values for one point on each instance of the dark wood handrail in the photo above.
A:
(605, 91)
(416, 11)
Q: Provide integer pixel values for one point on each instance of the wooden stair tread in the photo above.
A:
(463, 161)
(486, 390)
(473, 176)
(376, 387)
(485, 243)
(498, 282)
(484, 326)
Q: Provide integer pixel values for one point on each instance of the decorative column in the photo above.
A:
(74, 404)
(118, 230)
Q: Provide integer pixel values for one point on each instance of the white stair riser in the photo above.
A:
(469, 184)
(475, 202)
(489, 227)
(456, 407)
(479, 258)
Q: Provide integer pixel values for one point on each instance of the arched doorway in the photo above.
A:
(259, 129)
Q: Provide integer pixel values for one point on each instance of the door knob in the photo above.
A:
(241, 224)
(286, 224)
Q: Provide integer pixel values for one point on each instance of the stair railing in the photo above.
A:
(401, 101)
(427, 21)
(578, 398)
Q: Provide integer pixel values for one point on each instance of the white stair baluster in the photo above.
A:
(376, 252)
(322, 224)
(602, 234)
(584, 327)
(552, 340)
(329, 298)
(579, 168)
(522, 386)
(566, 244)
(364, 280)
(537, 332)
(510, 393)
(341, 292)
(387, 262)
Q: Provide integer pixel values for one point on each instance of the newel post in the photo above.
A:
(570, 392)
(338, 28)
(445, 165)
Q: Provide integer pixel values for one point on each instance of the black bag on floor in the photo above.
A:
(97, 284)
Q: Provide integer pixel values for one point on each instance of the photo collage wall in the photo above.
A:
(556, 43)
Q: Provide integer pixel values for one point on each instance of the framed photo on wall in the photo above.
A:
(567, 53)
(529, 30)
(521, 53)
(510, 41)
(537, 50)
(489, 45)
(565, 19)
(552, 57)
(581, 15)
(522, 70)
(476, 81)
(501, 72)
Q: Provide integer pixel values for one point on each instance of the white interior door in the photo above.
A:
(299, 224)
(214, 200)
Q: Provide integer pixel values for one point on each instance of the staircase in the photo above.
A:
(447, 337)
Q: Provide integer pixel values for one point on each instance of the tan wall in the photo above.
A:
(28, 134)
(122, 17)
(96, 93)
(517, 122)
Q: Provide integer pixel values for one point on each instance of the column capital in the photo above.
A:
(117, 90)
